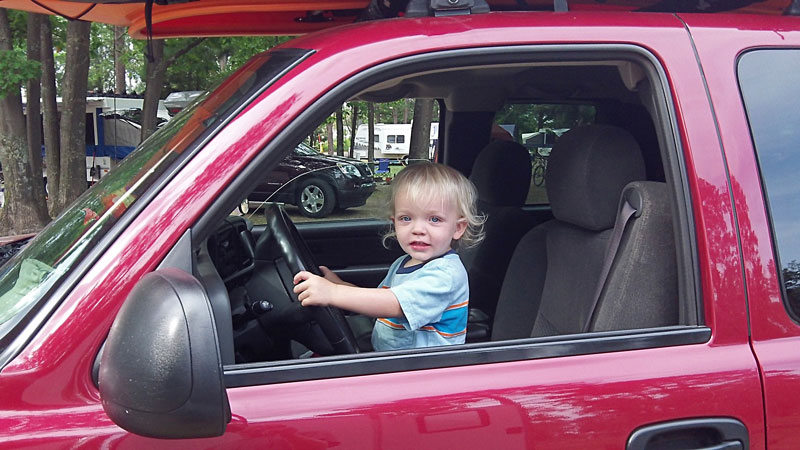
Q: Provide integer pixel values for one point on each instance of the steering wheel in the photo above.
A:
(298, 257)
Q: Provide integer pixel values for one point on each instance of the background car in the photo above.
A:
(176, 101)
(316, 183)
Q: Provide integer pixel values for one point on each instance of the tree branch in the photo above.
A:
(194, 43)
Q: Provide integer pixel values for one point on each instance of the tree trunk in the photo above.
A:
(52, 143)
(21, 213)
(371, 131)
(73, 115)
(340, 132)
(353, 127)
(156, 71)
(33, 116)
(329, 132)
(222, 62)
(119, 61)
(419, 149)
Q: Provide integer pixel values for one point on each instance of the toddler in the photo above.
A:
(423, 300)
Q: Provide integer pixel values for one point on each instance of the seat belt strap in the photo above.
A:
(623, 218)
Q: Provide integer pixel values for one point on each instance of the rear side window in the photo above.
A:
(770, 85)
(537, 126)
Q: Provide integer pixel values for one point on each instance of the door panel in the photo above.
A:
(592, 398)
(545, 404)
(354, 249)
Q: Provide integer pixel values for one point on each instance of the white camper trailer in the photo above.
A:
(110, 134)
(392, 141)
(111, 131)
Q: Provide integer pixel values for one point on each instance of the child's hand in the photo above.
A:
(313, 290)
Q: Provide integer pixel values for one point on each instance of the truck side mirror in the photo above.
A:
(161, 369)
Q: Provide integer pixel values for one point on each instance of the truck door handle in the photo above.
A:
(718, 433)
(726, 446)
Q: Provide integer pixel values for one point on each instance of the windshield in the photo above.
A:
(305, 150)
(27, 278)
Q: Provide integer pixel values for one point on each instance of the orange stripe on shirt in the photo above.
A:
(458, 305)
(396, 326)
(442, 333)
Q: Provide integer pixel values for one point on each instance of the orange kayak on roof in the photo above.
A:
(294, 17)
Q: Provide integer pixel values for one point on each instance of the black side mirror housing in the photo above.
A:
(161, 369)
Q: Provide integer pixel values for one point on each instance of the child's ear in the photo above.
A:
(461, 227)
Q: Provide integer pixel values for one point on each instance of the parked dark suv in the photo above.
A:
(316, 183)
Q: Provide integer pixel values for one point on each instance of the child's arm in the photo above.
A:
(313, 290)
(332, 277)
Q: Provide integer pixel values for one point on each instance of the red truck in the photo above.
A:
(146, 317)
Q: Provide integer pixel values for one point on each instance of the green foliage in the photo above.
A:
(16, 69)
(17, 20)
(205, 65)
(398, 111)
(534, 117)
(59, 28)
(101, 55)
(213, 60)
(791, 281)
(388, 112)
(202, 68)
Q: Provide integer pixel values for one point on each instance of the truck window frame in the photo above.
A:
(692, 332)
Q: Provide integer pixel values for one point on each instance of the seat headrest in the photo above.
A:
(502, 174)
(586, 172)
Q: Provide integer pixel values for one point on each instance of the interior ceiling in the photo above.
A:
(182, 18)
(487, 88)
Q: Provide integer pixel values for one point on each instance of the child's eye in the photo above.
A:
(435, 219)
(404, 219)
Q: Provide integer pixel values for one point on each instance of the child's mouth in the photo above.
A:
(417, 245)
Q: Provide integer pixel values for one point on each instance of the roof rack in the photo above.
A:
(422, 8)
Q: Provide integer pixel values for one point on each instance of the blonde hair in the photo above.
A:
(423, 182)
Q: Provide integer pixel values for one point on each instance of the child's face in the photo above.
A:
(426, 231)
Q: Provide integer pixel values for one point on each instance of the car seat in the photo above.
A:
(555, 283)
(502, 175)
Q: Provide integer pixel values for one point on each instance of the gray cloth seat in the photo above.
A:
(641, 290)
(502, 175)
(553, 276)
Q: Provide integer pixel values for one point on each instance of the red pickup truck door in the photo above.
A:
(595, 399)
(775, 335)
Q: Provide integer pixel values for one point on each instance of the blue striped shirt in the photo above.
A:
(433, 296)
